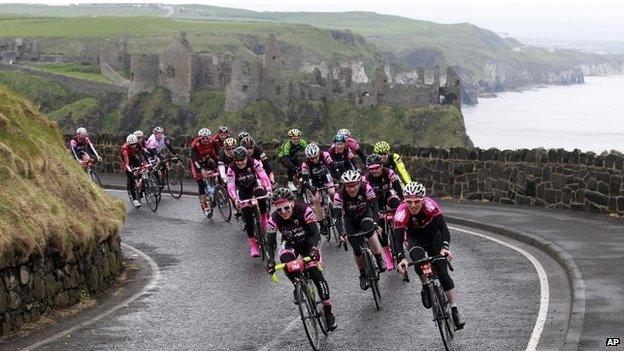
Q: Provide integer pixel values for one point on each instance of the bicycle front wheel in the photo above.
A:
(150, 190)
(95, 178)
(308, 317)
(441, 317)
(371, 277)
(260, 237)
(222, 200)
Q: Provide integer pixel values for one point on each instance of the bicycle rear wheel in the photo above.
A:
(95, 178)
(371, 277)
(174, 183)
(150, 190)
(440, 317)
(222, 200)
(155, 182)
(307, 312)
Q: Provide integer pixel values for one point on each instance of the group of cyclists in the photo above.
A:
(357, 198)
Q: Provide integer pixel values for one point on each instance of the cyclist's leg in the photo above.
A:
(248, 217)
(441, 268)
(203, 200)
(367, 224)
(264, 208)
(130, 185)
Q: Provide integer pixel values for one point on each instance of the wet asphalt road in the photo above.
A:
(212, 296)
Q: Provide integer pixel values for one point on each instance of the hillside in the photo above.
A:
(47, 203)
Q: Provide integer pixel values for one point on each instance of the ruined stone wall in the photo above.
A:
(211, 72)
(144, 73)
(574, 180)
(245, 85)
(85, 86)
(410, 96)
(176, 70)
(34, 288)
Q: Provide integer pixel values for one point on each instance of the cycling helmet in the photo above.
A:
(243, 134)
(294, 132)
(240, 153)
(312, 151)
(414, 189)
(138, 134)
(230, 142)
(247, 142)
(350, 176)
(345, 131)
(204, 133)
(340, 138)
(132, 139)
(158, 130)
(81, 130)
(381, 147)
(224, 129)
(373, 159)
(282, 195)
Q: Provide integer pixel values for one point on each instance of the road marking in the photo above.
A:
(272, 342)
(153, 281)
(544, 288)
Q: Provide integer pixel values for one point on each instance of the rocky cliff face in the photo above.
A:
(602, 69)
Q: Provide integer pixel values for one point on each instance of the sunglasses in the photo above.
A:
(283, 209)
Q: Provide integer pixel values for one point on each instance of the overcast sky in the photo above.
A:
(556, 19)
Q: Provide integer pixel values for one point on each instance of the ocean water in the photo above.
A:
(589, 117)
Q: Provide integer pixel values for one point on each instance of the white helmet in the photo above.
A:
(414, 189)
(312, 151)
(350, 176)
(138, 133)
(204, 132)
(158, 130)
(344, 131)
(81, 130)
(132, 139)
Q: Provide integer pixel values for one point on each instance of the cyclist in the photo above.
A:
(317, 171)
(132, 155)
(288, 153)
(297, 223)
(80, 145)
(256, 152)
(358, 202)
(218, 139)
(392, 160)
(226, 156)
(353, 144)
(242, 134)
(155, 144)
(342, 155)
(141, 137)
(243, 176)
(202, 163)
(387, 188)
(420, 220)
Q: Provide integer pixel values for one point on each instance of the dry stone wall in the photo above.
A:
(31, 289)
(575, 180)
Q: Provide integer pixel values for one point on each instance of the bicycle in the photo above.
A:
(310, 309)
(146, 186)
(259, 230)
(439, 304)
(218, 195)
(172, 179)
(330, 221)
(371, 271)
(90, 168)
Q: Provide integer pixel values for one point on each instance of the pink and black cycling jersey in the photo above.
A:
(319, 173)
(294, 229)
(343, 161)
(404, 219)
(385, 185)
(355, 206)
(246, 178)
(352, 144)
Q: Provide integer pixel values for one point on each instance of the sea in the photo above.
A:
(589, 117)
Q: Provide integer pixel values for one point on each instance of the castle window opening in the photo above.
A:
(273, 58)
(170, 72)
(278, 90)
(245, 88)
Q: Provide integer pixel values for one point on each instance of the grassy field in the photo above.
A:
(77, 70)
(47, 203)
(45, 94)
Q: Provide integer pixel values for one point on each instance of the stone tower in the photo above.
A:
(176, 69)
(245, 85)
(144, 73)
(274, 87)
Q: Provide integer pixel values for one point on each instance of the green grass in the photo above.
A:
(47, 203)
(77, 70)
(74, 110)
(47, 95)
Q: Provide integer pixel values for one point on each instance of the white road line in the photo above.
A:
(128, 301)
(269, 345)
(544, 288)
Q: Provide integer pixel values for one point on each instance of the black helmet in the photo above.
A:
(240, 153)
(373, 159)
(224, 129)
(243, 134)
(282, 194)
(247, 142)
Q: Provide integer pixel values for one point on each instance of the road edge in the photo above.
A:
(573, 273)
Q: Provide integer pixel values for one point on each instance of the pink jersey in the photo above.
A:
(403, 218)
(352, 144)
(247, 177)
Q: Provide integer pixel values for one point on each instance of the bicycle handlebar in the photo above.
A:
(256, 198)
(281, 266)
(431, 259)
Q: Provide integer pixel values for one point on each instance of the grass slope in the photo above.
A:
(47, 95)
(77, 70)
(47, 203)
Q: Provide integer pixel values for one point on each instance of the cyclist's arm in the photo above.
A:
(360, 152)
(311, 229)
(371, 198)
(305, 175)
(440, 224)
(399, 223)
(126, 161)
(260, 173)
(396, 183)
(400, 167)
(397, 235)
(231, 184)
(93, 149)
(271, 239)
(222, 173)
(352, 160)
(284, 150)
(72, 147)
(169, 146)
